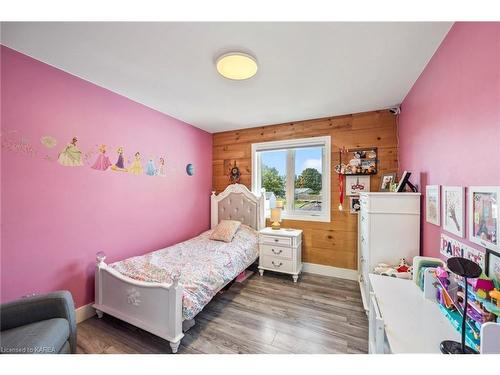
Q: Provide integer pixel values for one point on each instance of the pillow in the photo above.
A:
(225, 230)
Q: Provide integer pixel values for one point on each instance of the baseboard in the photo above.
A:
(320, 269)
(84, 312)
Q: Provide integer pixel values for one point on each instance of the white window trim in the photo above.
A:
(325, 142)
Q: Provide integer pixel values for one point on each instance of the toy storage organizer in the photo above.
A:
(405, 319)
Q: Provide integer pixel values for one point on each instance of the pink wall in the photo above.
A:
(55, 218)
(449, 128)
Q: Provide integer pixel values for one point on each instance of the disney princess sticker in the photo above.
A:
(162, 170)
(102, 163)
(150, 168)
(14, 142)
(136, 166)
(119, 166)
(71, 156)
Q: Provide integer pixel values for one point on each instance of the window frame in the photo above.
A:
(323, 141)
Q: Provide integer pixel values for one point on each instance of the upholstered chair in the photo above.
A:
(41, 324)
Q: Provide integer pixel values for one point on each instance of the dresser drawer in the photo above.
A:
(278, 264)
(277, 251)
(276, 240)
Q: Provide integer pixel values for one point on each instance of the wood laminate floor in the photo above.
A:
(268, 314)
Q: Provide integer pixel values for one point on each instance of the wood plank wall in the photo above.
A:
(334, 243)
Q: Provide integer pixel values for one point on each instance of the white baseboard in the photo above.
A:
(320, 269)
(84, 312)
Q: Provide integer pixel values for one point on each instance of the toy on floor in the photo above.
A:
(402, 271)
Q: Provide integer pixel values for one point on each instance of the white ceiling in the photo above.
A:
(306, 70)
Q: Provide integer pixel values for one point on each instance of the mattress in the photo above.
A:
(202, 265)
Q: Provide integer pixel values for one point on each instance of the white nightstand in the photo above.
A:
(281, 251)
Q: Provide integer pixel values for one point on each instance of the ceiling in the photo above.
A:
(306, 70)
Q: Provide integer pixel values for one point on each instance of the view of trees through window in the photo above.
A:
(307, 179)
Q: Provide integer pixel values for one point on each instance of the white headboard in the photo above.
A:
(238, 203)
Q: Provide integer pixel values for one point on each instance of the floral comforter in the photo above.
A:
(202, 265)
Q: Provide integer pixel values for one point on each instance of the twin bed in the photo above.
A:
(161, 292)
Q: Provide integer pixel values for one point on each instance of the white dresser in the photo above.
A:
(388, 230)
(281, 251)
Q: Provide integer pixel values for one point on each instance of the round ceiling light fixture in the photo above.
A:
(236, 65)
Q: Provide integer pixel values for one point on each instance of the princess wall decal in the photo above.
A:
(96, 157)
(150, 167)
(136, 166)
(13, 141)
(119, 166)
(102, 163)
(161, 171)
(71, 156)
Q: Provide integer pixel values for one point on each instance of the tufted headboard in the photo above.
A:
(238, 203)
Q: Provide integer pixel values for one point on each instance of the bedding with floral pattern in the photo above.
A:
(202, 265)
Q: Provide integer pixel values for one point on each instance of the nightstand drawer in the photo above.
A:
(276, 240)
(277, 251)
(278, 264)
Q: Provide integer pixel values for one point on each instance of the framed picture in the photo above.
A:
(357, 161)
(386, 181)
(357, 184)
(432, 204)
(354, 205)
(404, 182)
(484, 223)
(453, 210)
(492, 268)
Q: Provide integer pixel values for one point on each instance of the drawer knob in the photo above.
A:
(277, 252)
(276, 265)
(276, 240)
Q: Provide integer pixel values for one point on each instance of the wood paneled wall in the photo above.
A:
(334, 243)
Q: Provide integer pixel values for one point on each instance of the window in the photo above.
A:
(296, 172)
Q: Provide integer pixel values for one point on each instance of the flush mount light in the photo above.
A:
(236, 65)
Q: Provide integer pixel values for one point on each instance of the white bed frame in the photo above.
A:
(156, 307)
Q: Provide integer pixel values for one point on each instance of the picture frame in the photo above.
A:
(433, 204)
(404, 182)
(386, 181)
(357, 161)
(492, 266)
(357, 184)
(453, 209)
(483, 221)
(354, 205)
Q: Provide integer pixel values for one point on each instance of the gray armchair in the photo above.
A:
(39, 324)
